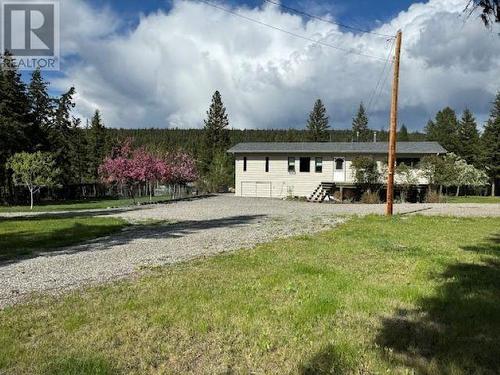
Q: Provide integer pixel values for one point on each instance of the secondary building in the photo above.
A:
(312, 169)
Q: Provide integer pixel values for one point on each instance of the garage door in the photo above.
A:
(256, 189)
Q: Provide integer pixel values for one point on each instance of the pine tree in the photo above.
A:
(14, 115)
(317, 125)
(216, 136)
(96, 145)
(360, 130)
(41, 110)
(403, 134)
(64, 138)
(490, 141)
(468, 138)
(444, 129)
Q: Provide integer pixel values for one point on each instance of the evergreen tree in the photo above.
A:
(490, 141)
(96, 145)
(41, 110)
(360, 130)
(64, 138)
(444, 129)
(468, 138)
(317, 125)
(216, 136)
(14, 115)
(403, 134)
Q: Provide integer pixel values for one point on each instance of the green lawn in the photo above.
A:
(376, 295)
(23, 236)
(472, 199)
(82, 204)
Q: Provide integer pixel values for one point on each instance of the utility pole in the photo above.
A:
(393, 128)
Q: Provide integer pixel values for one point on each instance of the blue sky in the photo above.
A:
(360, 13)
(157, 63)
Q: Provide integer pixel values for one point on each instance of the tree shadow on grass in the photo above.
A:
(328, 360)
(56, 242)
(458, 329)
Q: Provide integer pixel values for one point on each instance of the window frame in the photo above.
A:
(291, 166)
(267, 164)
(318, 164)
(336, 165)
(308, 164)
(245, 163)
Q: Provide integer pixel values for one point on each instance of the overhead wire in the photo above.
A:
(382, 76)
(328, 20)
(315, 41)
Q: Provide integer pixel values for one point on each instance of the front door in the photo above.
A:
(338, 169)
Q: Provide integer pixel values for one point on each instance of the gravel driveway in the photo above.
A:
(195, 228)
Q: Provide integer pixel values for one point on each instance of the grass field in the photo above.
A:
(473, 199)
(82, 205)
(375, 295)
(22, 236)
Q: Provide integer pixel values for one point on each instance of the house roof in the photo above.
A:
(336, 147)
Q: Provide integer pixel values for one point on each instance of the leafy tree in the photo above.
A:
(468, 138)
(467, 174)
(403, 134)
(444, 129)
(34, 171)
(41, 110)
(317, 125)
(216, 136)
(96, 145)
(438, 171)
(366, 172)
(360, 129)
(490, 141)
(405, 178)
(220, 175)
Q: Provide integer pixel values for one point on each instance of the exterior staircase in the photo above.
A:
(320, 193)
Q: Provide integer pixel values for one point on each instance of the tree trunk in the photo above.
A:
(31, 199)
(150, 192)
(440, 189)
(458, 191)
(493, 188)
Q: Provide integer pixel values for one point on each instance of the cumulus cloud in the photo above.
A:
(163, 71)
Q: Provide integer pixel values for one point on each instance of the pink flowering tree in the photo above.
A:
(181, 169)
(130, 168)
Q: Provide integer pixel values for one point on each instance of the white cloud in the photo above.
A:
(164, 71)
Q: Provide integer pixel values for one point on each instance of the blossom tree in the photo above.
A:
(148, 168)
(130, 168)
(180, 169)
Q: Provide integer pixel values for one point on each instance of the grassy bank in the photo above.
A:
(473, 199)
(23, 236)
(376, 295)
(82, 204)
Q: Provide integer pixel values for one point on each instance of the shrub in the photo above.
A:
(370, 198)
(366, 173)
(433, 197)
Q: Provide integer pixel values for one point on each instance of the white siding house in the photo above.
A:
(278, 170)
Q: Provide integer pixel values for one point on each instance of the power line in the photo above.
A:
(382, 75)
(327, 20)
(319, 42)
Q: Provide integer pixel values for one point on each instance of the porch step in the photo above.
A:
(319, 194)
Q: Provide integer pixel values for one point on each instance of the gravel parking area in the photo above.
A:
(194, 228)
